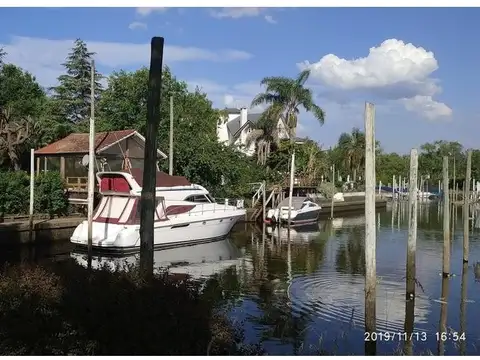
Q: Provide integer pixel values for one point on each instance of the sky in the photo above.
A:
(418, 66)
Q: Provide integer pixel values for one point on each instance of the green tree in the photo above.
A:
(285, 97)
(265, 136)
(22, 103)
(2, 55)
(352, 149)
(431, 155)
(72, 95)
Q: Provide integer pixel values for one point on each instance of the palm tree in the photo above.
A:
(285, 96)
(265, 136)
(352, 148)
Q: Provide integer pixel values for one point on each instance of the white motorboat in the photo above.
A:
(185, 214)
(303, 211)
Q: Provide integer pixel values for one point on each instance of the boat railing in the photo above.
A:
(201, 209)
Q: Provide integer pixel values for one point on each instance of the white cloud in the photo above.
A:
(145, 11)
(43, 57)
(236, 13)
(241, 12)
(270, 19)
(137, 25)
(427, 107)
(393, 70)
(237, 96)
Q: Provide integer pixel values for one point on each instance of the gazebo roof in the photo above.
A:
(77, 143)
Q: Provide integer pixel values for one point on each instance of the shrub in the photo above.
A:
(14, 192)
(50, 196)
(65, 309)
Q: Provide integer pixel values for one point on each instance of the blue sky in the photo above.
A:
(419, 66)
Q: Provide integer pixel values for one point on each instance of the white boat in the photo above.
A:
(303, 211)
(185, 214)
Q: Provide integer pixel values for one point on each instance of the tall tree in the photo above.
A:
(72, 95)
(265, 136)
(22, 102)
(352, 148)
(286, 96)
(2, 55)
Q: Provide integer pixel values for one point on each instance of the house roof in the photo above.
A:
(234, 125)
(77, 143)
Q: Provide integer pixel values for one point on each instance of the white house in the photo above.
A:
(234, 130)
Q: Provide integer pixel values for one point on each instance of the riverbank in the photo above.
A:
(44, 230)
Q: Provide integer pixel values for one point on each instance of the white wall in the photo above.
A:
(222, 130)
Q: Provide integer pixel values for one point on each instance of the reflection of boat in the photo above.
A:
(201, 260)
(353, 221)
(304, 233)
(185, 214)
(303, 211)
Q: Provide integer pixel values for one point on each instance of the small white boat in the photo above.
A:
(185, 214)
(303, 211)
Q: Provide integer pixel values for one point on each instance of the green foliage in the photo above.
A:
(21, 102)
(74, 90)
(327, 189)
(65, 309)
(14, 192)
(50, 197)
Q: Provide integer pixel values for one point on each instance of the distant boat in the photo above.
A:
(185, 214)
(303, 211)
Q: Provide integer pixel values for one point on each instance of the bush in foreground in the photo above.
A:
(64, 309)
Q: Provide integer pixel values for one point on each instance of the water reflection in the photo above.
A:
(319, 284)
(197, 261)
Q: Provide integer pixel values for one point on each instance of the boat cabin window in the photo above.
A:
(199, 198)
(159, 213)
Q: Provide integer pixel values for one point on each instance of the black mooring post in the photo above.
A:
(147, 201)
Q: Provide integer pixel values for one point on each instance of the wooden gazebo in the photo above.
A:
(114, 150)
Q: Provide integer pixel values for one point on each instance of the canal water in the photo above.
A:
(306, 295)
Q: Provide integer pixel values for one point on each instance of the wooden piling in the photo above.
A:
(411, 252)
(148, 198)
(446, 220)
(466, 208)
(32, 197)
(409, 326)
(442, 327)
(370, 229)
(412, 225)
(463, 307)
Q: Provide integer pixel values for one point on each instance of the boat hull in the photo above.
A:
(302, 217)
(112, 238)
